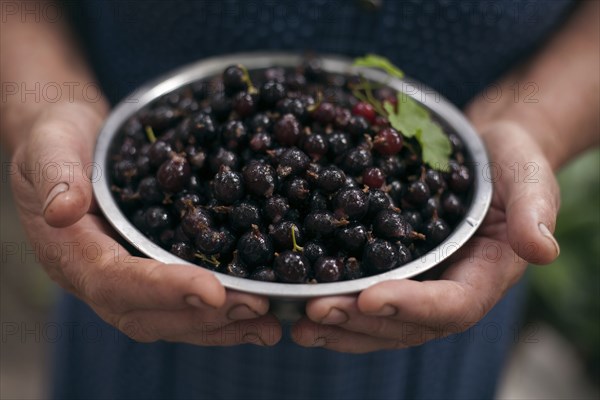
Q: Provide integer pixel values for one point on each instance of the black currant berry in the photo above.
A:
(209, 241)
(390, 224)
(352, 269)
(243, 215)
(378, 201)
(264, 274)
(237, 268)
(292, 162)
(328, 269)
(275, 208)
(291, 267)
(234, 134)
(260, 178)
(351, 203)
(315, 146)
(244, 104)
(380, 255)
(281, 235)
(228, 186)
(271, 92)
(183, 250)
(339, 143)
(313, 250)
(149, 192)
(157, 218)
(223, 157)
(357, 160)
(460, 179)
(203, 128)
(233, 79)
(431, 208)
(322, 223)
(255, 248)
(436, 231)
(173, 174)
(352, 238)
(287, 130)
(418, 192)
(435, 181)
(297, 191)
(194, 219)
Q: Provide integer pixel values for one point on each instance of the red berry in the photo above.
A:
(381, 121)
(287, 130)
(388, 142)
(365, 110)
(373, 177)
(325, 113)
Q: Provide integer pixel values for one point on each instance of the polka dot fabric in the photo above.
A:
(457, 47)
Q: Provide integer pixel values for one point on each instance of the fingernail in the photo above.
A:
(546, 232)
(335, 317)
(195, 301)
(319, 342)
(241, 312)
(386, 311)
(53, 194)
(253, 338)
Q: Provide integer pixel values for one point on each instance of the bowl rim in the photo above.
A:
(432, 100)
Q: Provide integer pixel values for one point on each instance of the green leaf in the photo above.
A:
(435, 145)
(375, 61)
(413, 120)
(409, 116)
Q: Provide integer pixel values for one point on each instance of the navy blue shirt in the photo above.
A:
(457, 47)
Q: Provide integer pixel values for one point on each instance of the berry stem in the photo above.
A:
(150, 134)
(368, 96)
(246, 79)
(295, 245)
(212, 260)
(318, 102)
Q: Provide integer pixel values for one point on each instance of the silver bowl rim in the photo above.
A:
(437, 104)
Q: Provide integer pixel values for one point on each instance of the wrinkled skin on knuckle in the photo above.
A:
(398, 344)
(99, 288)
(380, 327)
(136, 330)
(218, 337)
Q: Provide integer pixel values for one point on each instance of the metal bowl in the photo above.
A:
(448, 115)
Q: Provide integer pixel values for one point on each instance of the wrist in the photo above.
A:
(531, 122)
(18, 117)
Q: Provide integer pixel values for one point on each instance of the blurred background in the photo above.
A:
(556, 355)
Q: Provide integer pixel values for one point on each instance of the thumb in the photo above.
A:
(528, 191)
(58, 160)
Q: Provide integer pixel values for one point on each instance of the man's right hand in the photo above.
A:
(145, 299)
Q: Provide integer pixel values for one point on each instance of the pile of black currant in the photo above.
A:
(283, 175)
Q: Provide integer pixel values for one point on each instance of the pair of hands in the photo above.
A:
(150, 301)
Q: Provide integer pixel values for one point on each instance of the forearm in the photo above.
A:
(563, 114)
(40, 65)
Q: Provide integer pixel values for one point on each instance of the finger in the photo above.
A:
(528, 190)
(468, 289)
(109, 277)
(343, 312)
(307, 333)
(208, 328)
(377, 309)
(55, 162)
(103, 273)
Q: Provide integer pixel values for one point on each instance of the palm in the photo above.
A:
(469, 284)
(143, 298)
